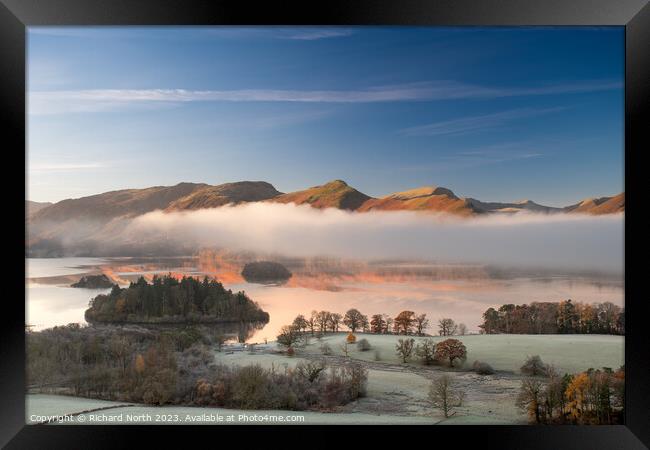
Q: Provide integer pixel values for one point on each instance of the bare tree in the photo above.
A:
(421, 324)
(447, 327)
(404, 348)
(462, 329)
(444, 396)
(425, 350)
(354, 320)
(530, 398)
(311, 322)
(335, 321)
(300, 323)
(288, 336)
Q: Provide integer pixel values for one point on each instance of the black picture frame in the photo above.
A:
(634, 15)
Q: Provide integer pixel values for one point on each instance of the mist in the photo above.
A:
(556, 241)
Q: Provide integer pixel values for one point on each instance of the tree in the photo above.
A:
(404, 348)
(530, 398)
(288, 336)
(462, 329)
(577, 395)
(354, 319)
(490, 321)
(322, 320)
(425, 350)
(300, 323)
(451, 350)
(389, 323)
(312, 322)
(404, 322)
(335, 320)
(377, 324)
(444, 396)
(447, 327)
(421, 323)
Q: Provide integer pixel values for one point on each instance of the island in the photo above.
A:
(265, 272)
(93, 282)
(168, 300)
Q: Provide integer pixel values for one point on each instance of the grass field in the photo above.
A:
(568, 353)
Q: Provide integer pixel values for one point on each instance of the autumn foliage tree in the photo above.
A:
(404, 321)
(450, 350)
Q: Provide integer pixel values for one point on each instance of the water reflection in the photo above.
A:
(460, 292)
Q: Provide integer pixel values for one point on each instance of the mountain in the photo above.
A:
(597, 206)
(426, 198)
(109, 205)
(223, 194)
(99, 224)
(335, 194)
(33, 207)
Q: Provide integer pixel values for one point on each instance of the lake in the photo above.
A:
(461, 292)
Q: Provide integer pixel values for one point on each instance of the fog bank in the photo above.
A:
(560, 241)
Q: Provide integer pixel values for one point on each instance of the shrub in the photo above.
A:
(351, 338)
(377, 355)
(326, 349)
(363, 345)
(291, 351)
(482, 368)
(534, 366)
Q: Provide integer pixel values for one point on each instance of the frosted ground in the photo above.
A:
(396, 392)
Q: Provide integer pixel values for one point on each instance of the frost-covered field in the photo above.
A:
(568, 353)
(41, 405)
(396, 393)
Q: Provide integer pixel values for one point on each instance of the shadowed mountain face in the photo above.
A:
(602, 205)
(335, 194)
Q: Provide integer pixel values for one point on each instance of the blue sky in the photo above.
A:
(492, 113)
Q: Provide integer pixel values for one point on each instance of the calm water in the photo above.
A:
(313, 287)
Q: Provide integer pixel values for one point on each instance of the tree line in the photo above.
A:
(168, 299)
(564, 317)
(404, 323)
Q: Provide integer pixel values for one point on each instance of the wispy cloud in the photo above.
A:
(316, 34)
(473, 124)
(63, 167)
(64, 101)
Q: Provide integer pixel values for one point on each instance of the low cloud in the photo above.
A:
(560, 241)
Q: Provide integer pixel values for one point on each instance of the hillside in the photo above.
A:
(223, 194)
(427, 198)
(335, 194)
(32, 208)
(598, 206)
(106, 206)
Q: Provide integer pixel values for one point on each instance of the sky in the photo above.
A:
(498, 114)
